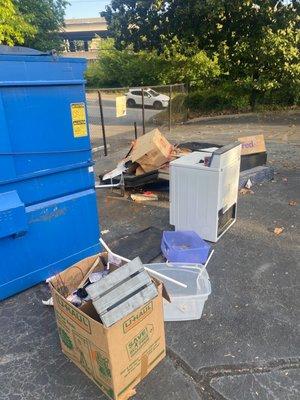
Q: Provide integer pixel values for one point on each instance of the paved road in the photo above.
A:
(113, 124)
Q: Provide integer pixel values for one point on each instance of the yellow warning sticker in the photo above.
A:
(79, 119)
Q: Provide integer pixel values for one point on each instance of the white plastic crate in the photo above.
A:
(186, 303)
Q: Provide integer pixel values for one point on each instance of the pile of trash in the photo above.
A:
(110, 311)
(149, 154)
(110, 320)
(116, 286)
(149, 157)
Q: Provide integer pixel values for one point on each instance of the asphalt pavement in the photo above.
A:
(246, 344)
(115, 125)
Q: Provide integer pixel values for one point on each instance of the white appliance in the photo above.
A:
(204, 190)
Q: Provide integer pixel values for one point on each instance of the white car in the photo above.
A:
(151, 98)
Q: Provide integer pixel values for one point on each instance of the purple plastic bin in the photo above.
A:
(184, 247)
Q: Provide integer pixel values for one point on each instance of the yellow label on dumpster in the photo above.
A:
(78, 119)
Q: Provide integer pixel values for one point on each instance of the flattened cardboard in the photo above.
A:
(252, 144)
(115, 358)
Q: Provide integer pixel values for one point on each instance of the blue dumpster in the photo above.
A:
(48, 210)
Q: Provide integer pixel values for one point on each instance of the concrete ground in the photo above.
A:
(246, 345)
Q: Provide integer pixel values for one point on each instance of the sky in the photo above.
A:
(85, 8)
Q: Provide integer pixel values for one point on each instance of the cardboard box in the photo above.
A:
(252, 144)
(115, 358)
(139, 171)
(151, 150)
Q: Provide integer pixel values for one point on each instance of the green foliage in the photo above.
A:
(14, 28)
(193, 67)
(226, 96)
(125, 68)
(94, 77)
(222, 97)
(254, 43)
(47, 16)
(285, 96)
(271, 63)
(128, 68)
(204, 24)
(139, 23)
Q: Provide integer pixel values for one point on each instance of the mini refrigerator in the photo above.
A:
(204, 190)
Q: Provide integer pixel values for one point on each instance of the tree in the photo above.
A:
(256, 41)
(14, 28)
(192, 67)
(271, 64)
(202, 24)
(140, 23)
(48, 18)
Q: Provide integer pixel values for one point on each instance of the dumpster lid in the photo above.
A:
(23, 51)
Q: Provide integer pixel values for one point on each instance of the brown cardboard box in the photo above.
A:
(115, 358)
(151, 150)
(252, 144)
(139, 171)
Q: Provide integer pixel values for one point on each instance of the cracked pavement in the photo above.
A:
(245, 346)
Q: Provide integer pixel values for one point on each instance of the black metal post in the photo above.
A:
(143, 111)
(102, 122)
(135, 130)
(170, 110)
(187, 94)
